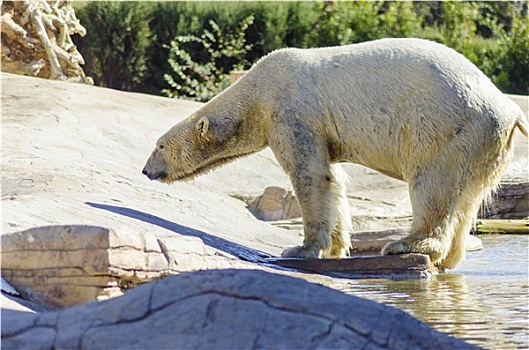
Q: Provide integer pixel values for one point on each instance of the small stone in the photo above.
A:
(275, 204)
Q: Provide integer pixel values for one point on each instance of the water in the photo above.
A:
(485, 300)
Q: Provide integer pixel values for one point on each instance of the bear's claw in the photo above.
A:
(430, 246)
(338, 252)
(302, 252)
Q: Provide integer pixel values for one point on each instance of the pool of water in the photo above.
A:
(485, 300)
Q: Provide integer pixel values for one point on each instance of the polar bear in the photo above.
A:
(409, 108)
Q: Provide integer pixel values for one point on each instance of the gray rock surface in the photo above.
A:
(225, 309)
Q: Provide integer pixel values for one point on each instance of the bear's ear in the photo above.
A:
(202, 128)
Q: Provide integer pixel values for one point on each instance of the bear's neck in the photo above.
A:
(239, 104)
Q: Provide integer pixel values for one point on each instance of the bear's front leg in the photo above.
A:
(303, 154)
(326, 218)
(301, 251)
(318, 211)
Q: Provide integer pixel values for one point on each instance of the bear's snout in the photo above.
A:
(154, 176)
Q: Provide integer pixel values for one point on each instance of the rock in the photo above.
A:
(235, 75)
(36, 40)
(474, 243)
(511, 201)
(77, 166)
(10, 302)
(225, 309)
(72, 264)
(275, 204)
(8, 289)
(388, 266)
(372, 242)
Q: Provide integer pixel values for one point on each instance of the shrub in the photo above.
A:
(116, 42)
(515, 61)
(201, 65)
(459, 27)
(128, 43)
(341, 23)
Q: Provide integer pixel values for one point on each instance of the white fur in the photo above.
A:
(409, 108)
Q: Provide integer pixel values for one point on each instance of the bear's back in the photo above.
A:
(363, 97)
(389, 72)
(406, 62)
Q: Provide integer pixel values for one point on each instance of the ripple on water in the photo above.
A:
(485, 300)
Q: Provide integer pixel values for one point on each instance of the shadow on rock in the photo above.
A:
(227, 246)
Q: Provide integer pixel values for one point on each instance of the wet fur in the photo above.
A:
(409, 108)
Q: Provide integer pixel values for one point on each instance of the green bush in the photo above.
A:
(116, 42)
(343, 23)
(128, 43)
(201, 65)
(167, 21)
(515, 61)
(459, 27)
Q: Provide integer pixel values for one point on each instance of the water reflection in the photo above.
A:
(484, 301)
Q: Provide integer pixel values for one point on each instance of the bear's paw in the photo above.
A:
(305, 252)
(433, 247)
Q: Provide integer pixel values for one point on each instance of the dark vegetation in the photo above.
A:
(186, 49)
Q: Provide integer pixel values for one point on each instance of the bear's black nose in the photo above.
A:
(144, 172)
(156, 176)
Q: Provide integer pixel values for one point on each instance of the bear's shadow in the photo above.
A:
(238, 250)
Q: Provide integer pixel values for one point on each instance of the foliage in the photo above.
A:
(515, 60)
(128, 43)
(459, 27)
(201, 65)
(116, 42)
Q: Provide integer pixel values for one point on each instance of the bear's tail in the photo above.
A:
(523, 124)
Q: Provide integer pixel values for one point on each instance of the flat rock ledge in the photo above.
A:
(225, 309)
(71, 264)
(389, 266)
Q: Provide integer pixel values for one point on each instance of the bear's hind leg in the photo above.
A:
(468, 207)
(457, 250)
(434, 201)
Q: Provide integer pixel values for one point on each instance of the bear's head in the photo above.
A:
(194, 146)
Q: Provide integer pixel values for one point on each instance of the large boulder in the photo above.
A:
(65, 265)
(225, 309)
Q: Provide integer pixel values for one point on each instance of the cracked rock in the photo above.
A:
(230, 309)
